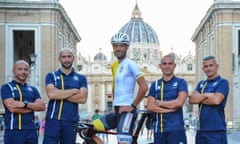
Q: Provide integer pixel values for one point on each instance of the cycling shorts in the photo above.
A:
(124, 123)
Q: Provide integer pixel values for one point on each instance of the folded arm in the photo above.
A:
(58, 94)
(206, 98)
(213, 98)
(80, 97)
(196, 98)
(19, 107)
(153, 105)
(175, 103)
(37, 105)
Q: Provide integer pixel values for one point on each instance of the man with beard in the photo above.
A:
(20, 100)
(65, 89)
(125, 76)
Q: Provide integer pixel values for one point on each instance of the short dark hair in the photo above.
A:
(172, 56)
(209, 57)
(96, 111)
(66, 49)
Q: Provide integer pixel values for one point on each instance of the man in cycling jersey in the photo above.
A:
(125, 76)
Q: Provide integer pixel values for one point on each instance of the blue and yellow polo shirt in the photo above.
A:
(169, 89)
(22, 93)
(212, 117)
(63, 109)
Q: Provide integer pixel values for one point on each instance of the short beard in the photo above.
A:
(122, 56)
(66, 67)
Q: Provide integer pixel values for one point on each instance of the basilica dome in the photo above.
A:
(138, 30)
(144, 43)
(100, 57)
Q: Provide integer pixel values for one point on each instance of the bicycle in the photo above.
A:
(81, 127)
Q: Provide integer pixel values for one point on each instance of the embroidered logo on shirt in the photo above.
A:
(121, 69)
(30, 89)
(175, 84)
(58, 77)
(14, 88)
(215, 83)
(75, 78)
(201, 85)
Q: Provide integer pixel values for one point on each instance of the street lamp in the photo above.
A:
(33, 79)
(33, 58)
(79, 67)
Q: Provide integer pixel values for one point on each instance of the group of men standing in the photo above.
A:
(168, 94)
(66, 89)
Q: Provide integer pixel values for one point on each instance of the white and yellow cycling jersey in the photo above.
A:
(125, 75)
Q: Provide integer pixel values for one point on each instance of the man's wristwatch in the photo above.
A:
(133, 106)
(25, 104)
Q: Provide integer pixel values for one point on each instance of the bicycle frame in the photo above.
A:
(144, 115)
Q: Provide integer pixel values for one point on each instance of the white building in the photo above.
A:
(144, 49)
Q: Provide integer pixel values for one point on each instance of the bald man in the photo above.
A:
(65, 89)
(20, 100)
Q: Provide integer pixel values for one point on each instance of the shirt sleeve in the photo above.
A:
(49, 79)
(6, 92)
(135, 70)
(36, 93)
(152, 90)
(198, 87)
(183, 86)
(223, 87)
(84, 82)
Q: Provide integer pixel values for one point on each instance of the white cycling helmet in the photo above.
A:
(120, 38)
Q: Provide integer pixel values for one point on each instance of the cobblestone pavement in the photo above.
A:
(233, 138)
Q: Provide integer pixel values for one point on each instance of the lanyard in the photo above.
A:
(161, 99)
(200, 108)
(61, 102)
(19, 115)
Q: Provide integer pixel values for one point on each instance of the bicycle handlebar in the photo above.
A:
(81, 127)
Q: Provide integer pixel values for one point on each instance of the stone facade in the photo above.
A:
(219, 34)
(51, 29)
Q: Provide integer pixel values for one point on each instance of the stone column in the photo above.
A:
(236, 100)
(102, 99)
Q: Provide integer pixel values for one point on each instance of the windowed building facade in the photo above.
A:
(218, 34)
(34, 31)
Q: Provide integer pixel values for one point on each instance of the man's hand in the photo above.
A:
(195, 93)
(196, 98)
